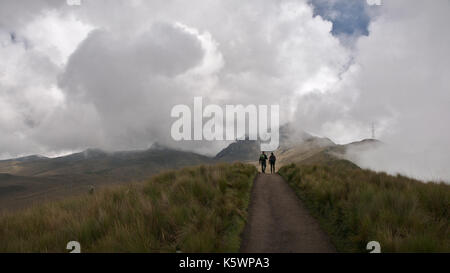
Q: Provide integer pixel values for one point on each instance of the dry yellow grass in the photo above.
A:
(198, 209)
(356, 206)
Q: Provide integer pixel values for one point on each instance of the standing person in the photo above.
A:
(262, 161)
(272, 160)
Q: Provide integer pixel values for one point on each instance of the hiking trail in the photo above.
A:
(278, 221)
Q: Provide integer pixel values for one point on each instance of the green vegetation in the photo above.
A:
(356, 206)
(197, 209)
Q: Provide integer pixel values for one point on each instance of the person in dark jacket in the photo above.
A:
(272, 160)
(262, 161)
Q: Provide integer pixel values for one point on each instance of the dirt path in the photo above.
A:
(279, 222)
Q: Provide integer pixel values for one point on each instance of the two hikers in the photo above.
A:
(263, 159)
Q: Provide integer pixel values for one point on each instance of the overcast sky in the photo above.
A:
(107, 73)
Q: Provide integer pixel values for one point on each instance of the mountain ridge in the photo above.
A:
(29, 177)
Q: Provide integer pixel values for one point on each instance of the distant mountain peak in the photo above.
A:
(27, 158)
(158, 147)
(240, 150)
(366, 141)
(94, 151)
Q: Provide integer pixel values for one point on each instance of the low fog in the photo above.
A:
(106, 74)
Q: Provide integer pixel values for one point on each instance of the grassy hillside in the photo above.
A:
(197, 209)
(35, 179)
(356, 206)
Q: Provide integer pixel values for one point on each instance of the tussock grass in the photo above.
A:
(197, 209)
(356, 206)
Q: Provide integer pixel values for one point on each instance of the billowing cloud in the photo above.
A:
(117, 88)
(403, 78)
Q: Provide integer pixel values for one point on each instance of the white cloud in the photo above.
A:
(33, 55)
(56, 35)
(126, 75)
